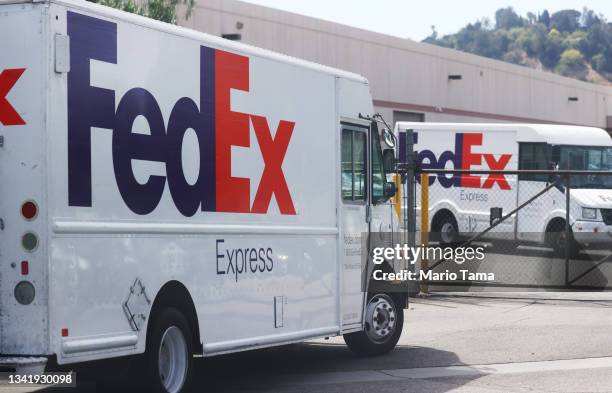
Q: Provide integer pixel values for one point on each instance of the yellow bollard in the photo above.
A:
(424, 227)
(397, 199)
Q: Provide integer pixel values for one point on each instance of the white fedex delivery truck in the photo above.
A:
(462, 203)
(167, 192)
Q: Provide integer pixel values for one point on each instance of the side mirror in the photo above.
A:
(389, 161)
(389, 138)
(390, 190)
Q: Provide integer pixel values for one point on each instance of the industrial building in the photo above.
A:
(412, 80)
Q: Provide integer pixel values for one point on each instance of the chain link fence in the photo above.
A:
(536, 228)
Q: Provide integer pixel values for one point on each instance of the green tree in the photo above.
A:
(545, 18)
(163, 10)
(531, 18)
(572, 64)
(599, 62)
(575, 39)
(566, 21)
(589, 18)
(123, 5)
(598, 40)
(531, 39)
(567, 43)
(507, 18)
(515, 56)
(552, 49)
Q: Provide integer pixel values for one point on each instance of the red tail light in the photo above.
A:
(29, 210)
(25, 268)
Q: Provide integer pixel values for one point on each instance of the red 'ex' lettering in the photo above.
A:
(273, 152)
(469, 159)
(8, 114)
(497, 165)
(232, 129)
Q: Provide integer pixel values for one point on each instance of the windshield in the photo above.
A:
(587, 158)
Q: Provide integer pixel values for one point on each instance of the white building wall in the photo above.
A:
(411, 76)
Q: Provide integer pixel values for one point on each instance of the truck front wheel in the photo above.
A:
(384, 321)
(557, 239)
(169, 353)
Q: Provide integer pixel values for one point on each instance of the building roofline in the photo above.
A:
(376, 38)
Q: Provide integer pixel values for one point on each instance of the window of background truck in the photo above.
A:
(607, 159)
(587, 158)
(534, 156)
(378, 173)
(353, 165)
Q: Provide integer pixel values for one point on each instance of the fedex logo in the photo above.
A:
(216, 126)
(462, 157)
(8, 114)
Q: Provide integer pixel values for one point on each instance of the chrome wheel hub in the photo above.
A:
(447, 232)
(380, 318)
(173, 360)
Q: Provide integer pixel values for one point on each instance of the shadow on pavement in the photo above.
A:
(291, 365)
(311, 366)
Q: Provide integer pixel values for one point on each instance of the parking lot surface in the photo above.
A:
(487, 342)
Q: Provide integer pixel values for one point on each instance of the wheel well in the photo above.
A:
(439, 214)
(399, 295)
(555, 222)
(174, 294)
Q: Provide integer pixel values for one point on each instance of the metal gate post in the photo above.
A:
(424, 228)
(410, 180)
(567, 229)
(410, 211)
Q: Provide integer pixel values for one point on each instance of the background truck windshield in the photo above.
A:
(587, 158)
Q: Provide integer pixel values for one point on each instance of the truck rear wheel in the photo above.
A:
(169, 353)
(444, 228)
(384, 322)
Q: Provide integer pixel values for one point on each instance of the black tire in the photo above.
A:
(365, 343)
(556, 239)
(165, 322)
(444, 229)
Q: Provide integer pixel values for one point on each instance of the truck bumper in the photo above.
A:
(24, 364)
(592, 233)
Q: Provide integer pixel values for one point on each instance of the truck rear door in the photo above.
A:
(23, 262)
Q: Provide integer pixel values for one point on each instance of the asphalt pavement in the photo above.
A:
(493, 342)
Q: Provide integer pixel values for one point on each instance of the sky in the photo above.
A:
(413, 19)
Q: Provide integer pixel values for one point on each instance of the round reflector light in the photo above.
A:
(29, 210)
(25, 292)
(29, 241)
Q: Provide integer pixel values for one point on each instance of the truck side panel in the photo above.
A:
(245, 220)
(23, 246)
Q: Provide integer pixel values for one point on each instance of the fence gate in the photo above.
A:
(537, 229)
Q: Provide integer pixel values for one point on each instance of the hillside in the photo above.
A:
(568, 42)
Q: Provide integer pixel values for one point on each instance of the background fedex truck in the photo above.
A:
(461, 204)
(168, 192)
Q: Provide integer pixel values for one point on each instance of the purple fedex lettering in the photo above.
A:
(90, 106)
(462, 158)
